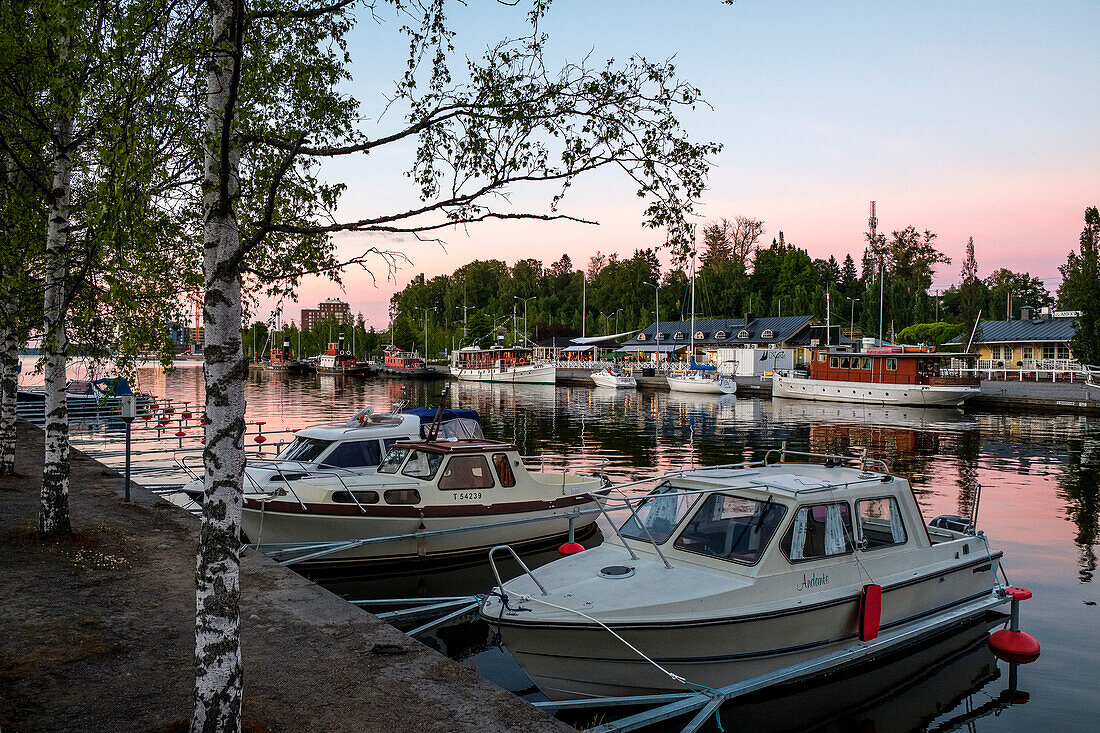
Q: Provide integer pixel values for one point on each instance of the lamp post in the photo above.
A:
(852, 319)
(617, 319)
(525, 315)
(657, 308)
(426, 330)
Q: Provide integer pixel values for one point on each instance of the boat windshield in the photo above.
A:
(304, 449)
(393, 460)
(659, 512)
(731, 527)
(422, 465)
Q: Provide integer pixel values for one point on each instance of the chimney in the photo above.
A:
(341, 349)
(749, 318)
(1046, 313)
(1027, 313)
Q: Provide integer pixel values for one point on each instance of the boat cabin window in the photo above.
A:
(834, 362)
(422, 465)
(822, 356)
(304, 449)
(402, 496)
(393, 460)
(731, 527)
(879, 523)
(823, 530)
(865, 363)
(659, 513)
(363, 497)
(504, 470)
(892, 365)
(466, 472)
(354, 454)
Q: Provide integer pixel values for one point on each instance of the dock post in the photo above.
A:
(128, 406)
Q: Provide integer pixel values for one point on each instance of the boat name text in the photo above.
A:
(813, 581)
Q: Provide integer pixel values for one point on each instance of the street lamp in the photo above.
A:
(524, 315)
(852, 320)
(657, 301)
(425, 330)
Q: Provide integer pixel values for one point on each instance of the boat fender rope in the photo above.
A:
(714, 695)
(498, 639)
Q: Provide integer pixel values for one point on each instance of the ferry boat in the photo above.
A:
(512, 364)
(723, 574)
(614, 379)
(405, 363)
(886, 376)
(450, 497)
(337, 360)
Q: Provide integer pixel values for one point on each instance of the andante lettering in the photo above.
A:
(813, 581)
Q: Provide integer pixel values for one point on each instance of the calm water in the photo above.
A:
(1040, 478)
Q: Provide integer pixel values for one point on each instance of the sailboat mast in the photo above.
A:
(691, 355)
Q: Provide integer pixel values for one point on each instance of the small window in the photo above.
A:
(995, 352)
(1029, 353)
(767, 334)
(355, 454)
(720, 335)
(393, 460)
(1048, 351)
(892, 365)
(880, 523)
(642, 337)
(662, 336)
(844, 362)
(821, 356)
(466, 472)
(700, 335)
(422, 465)
(504, 470)
(679, 336)
(834, 362)
(818, 531)
(732, 528)
(363, 497)
(387, 444)
(402, 496)
(659, 513)
(742, 334)
(1063, 351)
(865, 363)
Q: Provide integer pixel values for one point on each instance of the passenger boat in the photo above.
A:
(614, 378)
(405, 363)
(337, 360)
(886, 376)
(726, 573)
(450, 497)
(512, 364)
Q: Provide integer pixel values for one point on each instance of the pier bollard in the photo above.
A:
(572, 547)
(1011, 644)
(186, 411)
(260, 436)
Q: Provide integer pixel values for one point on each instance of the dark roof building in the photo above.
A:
(1039, 340)
(733, 333)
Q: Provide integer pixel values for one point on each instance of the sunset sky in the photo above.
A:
(970, 119)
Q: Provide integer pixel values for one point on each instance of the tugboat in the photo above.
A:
(337, 360)
(405, 364)
(283, 360)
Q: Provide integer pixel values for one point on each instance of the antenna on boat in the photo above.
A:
(433, 431)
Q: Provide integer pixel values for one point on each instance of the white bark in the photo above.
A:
(218, 670)
(9, 386)
(53, 512)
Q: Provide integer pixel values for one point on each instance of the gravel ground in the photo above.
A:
(98, 630)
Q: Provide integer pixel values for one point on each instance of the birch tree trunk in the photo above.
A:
(9, 386)
(218, 670)
(53, 510)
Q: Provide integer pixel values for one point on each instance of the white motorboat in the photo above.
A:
(435, 498)
(701, 382)
(723, 574)
(335, 451)
(513, 365)
(614, 378)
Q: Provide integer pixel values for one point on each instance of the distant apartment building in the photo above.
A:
(334, 307)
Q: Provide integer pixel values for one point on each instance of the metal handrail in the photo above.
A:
(527, 570)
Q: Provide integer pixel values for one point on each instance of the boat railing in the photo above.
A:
(567, 464)
(830, 459)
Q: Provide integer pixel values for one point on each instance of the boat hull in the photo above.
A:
(544, 374)
(282, 525)
(360, 370)
(868, 392)
(613, 381)
(579, 660)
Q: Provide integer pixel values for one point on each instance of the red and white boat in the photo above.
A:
(337, 360)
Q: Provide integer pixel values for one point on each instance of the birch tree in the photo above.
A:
(472, 132)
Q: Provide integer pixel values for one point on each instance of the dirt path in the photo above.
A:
(98, 631)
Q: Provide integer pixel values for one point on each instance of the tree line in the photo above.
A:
(736, 273)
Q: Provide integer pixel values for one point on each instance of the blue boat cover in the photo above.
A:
(427, 414)
(114, 386)
(702, 367)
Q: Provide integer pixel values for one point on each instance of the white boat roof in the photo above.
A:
(791, 480)
(380, 424)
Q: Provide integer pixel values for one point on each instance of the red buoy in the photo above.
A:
(571, 548)
(259, 439)
(180, 434)
(1011, 644)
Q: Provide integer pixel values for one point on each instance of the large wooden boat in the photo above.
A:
(337, 360)
(889, 376)
(400, 363)
(723, 574)
(282, 360)
(513, 364)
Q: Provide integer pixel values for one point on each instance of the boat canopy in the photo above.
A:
(453, 422)
(113, 386)
(702, 367)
